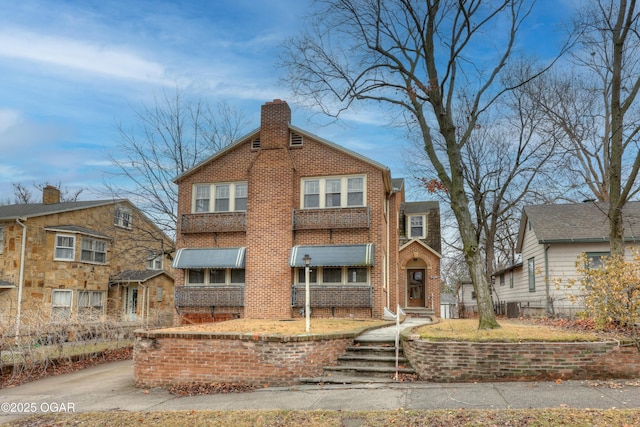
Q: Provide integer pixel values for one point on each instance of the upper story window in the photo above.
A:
(335, 275)
(93, 250)
(65, 247)
(221, 197)
(215, 276)
(122, 218)
(333, 192)
(154, 261)
(417, 226)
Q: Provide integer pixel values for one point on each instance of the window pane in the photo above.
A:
(202, 198)
(532, 274)
(312, 194)
(222, 198)
(61, 298)
(332, 193)
(83, 299)
(332, 275)
(237, 275)
(416, 226)
(241, 197)
(313, 275)
(196, 277)
(357, 275)
(355, 192)
(216, 275)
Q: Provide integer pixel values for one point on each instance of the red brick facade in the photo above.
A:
(273, 164)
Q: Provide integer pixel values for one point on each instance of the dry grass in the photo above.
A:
(400, 417)
(510, 331)
(281, 327)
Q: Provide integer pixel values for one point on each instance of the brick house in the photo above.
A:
(83, 260)
(250, 213)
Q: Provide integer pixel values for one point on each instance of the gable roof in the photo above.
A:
(256, 132)
(420, 207)
(12, 212)
(577, 223)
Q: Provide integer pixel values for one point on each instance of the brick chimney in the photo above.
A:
(50, 195)
(274, 124)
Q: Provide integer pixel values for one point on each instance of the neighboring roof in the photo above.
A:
(78, 230)
(209, 258)
(420, 207)
(298, 130)
(447, 298)
(136, 276)
(333, 255)
(12, 212)
(397, 184)
(577, 223)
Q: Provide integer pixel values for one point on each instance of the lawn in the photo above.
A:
(281, 327)
(510, 331)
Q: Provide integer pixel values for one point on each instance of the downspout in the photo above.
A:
(387, 274)
(21, 279)
(546, 279)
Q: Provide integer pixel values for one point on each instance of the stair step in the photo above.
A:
(347, 379)
(372, 350)
(368, 371)
(355, 360)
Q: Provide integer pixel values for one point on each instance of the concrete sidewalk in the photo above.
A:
(110, 387)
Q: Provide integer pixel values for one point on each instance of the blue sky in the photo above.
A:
(72, 70)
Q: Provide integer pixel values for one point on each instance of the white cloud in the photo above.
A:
(110, 61)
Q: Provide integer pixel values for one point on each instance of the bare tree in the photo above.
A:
(609, 57)
(171, 137)
(415, 58)
(24, 195)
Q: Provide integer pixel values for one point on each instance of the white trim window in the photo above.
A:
(93, 250)
(91, 303)
(417, 226)
(215, 276)
(122, 218)
(531, 274)
(335, 275)
(227, 197)
(154, 261)
(65, 247)
(61, 304)
(333, 192)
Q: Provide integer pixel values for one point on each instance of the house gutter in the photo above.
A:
(21, 278)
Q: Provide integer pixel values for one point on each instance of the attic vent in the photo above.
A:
(296, 140)
(255, 143)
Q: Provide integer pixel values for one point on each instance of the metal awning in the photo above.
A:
(333, 255)
(209, 258)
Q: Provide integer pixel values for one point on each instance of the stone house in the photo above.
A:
(248, 215)
(551, 240)
(83, 261)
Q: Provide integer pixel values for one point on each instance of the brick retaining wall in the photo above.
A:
(170, 358)
(465, 361)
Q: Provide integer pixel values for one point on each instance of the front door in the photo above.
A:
(131, 303)
(415, 279)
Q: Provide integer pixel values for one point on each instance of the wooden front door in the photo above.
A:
(415, 279)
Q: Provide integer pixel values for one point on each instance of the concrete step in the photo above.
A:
(346, 379)
(367, 371)
(370, 361)
(367, 350)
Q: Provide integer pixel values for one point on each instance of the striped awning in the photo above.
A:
(333, 255)
(209, 258)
